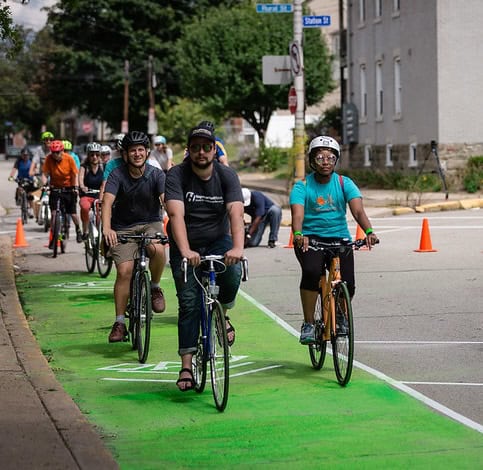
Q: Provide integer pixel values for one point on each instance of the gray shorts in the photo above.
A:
(123, 252)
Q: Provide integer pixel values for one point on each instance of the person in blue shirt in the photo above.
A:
(263, 212)
(68, 147)
(22, 167)
(318, 205)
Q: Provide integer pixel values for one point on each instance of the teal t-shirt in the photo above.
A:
(110, 165)
(324, 205)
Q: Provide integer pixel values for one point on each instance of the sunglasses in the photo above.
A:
(325, 158)
(197, 147)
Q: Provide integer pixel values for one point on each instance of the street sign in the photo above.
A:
(292, 100)
(274, 8)
(276, 70)
(295, 58)
(316, 21)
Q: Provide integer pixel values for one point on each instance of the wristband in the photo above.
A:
(298, 233)
(369, 231)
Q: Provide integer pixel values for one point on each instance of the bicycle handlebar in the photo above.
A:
(163, 239)
(219, 258)
(345, 242)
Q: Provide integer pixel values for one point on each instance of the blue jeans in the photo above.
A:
(189, 294)
(273, 217)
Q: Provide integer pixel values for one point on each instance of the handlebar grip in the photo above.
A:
(184, 268)
(244, 263)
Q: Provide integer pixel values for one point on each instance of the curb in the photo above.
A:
(464, 204)
(81, 441)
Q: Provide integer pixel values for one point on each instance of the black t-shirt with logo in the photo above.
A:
(205, 202)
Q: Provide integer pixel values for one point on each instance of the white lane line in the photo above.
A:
(255, 370)
(394, 383)
(417, 342)
(470, 384)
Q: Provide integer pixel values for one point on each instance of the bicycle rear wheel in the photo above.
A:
(90, 250)
(56, 233)
(318, 349)
(343, 343)
(64, 232)
(131, 311)
(219, 356)
(104, 263)
(144, 315)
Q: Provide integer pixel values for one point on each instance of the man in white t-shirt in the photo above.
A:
(162, 153)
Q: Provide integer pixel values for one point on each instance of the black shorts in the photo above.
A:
(68, 198)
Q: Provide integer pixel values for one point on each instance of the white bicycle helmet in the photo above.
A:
(118, 140)
(106, 149)
(325, 141)
(93, 147)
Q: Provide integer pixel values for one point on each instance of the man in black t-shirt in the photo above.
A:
(132, 205)
(205, 208)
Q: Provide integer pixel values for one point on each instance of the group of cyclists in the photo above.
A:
(203, 200)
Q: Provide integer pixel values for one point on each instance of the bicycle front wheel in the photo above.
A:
(64, 232)
(25, 208)
(199, 365)
(318, 349)
(104, 263)
(56, 233)
(219, 356)
(144, 315)
(90, 250)
(343, 339)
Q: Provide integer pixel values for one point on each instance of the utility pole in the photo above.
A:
(299, 134)
(125, 116)
(152, 123)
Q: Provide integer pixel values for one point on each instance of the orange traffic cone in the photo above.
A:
(360, 235)
(425, 243)
(165, 223)
(290, 241)
(50, 239)
(20, 241)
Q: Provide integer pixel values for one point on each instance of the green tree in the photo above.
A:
(9, 33)
(84, 69)
(220, 63)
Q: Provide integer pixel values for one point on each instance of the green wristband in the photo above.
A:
(298, 233)
(369, 231)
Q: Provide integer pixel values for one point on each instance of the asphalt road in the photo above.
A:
(418, 315)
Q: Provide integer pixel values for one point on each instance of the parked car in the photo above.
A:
(12, 152)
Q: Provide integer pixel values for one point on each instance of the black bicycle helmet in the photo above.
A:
(207, 125)
(135, 138)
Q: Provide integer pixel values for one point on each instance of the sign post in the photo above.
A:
(292, 100)
(299, 87)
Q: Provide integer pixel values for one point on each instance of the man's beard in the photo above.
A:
(202, 166)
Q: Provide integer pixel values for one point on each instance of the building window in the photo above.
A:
(362, 11)
(377, 9)
(367, 155)
(396, 5)
(379, 92)
(413, 157)
(389, 161)
(397, 87)
(363, 84)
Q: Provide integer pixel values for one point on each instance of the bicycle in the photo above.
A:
(104, 262)
(44, 209)
(139, 310)
(60, 225)
(333, 319)
(92, 241)
(212, 341)
(21, 197)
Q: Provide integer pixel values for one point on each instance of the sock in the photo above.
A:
(154, 285)
(120, 318)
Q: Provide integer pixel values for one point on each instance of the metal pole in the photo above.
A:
(125, 117)
(299, 134)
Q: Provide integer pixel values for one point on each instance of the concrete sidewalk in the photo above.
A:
(40, 426)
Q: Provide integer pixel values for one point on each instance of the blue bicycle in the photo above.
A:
(212, 341)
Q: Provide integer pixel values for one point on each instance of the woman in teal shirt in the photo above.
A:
(318, 206)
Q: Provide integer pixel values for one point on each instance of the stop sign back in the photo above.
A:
(292, 100)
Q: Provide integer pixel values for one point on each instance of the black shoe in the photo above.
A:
(271, 244)
(79, 236)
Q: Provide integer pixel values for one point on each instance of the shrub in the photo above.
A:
(473, 178)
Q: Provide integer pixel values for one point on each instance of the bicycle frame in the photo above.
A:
(327, 285)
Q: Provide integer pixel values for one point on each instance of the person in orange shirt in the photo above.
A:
(62, 171)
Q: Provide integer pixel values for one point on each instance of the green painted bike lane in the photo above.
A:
(281, 413)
